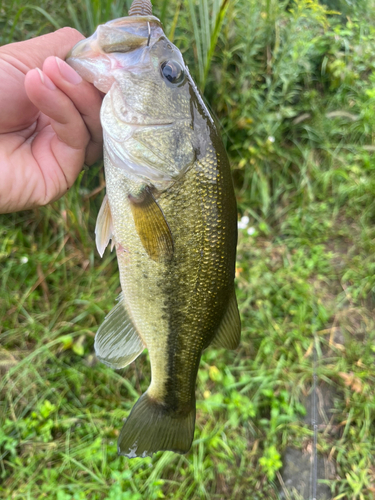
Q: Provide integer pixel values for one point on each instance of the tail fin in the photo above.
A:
(151, 427)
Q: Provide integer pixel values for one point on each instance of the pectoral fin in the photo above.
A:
(104, 227)
(117, 342)
(151, 226)
(229, 332)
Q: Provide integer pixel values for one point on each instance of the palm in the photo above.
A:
(46, 134)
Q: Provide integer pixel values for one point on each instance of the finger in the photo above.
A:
(86, 98)
(71, 135)
(16, 59)
(17, 112)
(32, 53)
(66, 119)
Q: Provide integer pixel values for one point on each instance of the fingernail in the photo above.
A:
(45, 80)
(68, 73)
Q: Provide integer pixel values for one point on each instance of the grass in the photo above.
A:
(293, 86)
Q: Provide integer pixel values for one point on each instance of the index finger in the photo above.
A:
(32, 53)
(86, 98)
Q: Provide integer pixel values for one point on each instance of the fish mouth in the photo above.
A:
(119, 36)
(147, 125)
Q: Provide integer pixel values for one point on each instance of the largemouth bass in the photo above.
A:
(170, 212)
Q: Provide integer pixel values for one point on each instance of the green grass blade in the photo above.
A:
(84, 468)
(14, 24)
(198, 40)
(220, 16)
(175, 21)
(89, 8)
(164, 9)
(49, 18)
(73, 14)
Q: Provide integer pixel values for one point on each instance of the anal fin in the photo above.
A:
(229, 332)
(117, 342)
(151, 226)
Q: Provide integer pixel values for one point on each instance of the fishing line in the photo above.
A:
(314, 424)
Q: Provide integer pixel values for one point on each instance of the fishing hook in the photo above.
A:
(149, 34)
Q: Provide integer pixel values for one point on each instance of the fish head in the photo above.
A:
(116, 45)
(147, 114)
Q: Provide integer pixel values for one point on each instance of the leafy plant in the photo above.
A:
(270, 462)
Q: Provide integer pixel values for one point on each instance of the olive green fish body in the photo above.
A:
(170, 212)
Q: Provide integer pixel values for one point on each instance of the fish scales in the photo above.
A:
(171, 214)
(156, 294)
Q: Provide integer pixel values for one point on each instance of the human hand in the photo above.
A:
(49, 121)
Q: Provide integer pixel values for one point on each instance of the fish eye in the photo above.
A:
(172, 71)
